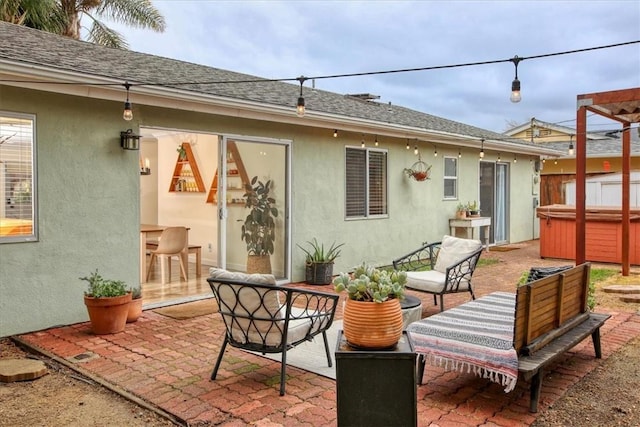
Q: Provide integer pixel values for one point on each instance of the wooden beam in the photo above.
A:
(581, 167)
(626, 185)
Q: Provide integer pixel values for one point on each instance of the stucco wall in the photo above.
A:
(89, 192)
(88, 211)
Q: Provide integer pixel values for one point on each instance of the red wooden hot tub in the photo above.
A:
(603, 233)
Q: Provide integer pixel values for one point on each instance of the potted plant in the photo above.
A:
(319, 263)
(461, 211)
(258, 230)
(135, 306)
(473, 209)
(107, 302)
(372, 312)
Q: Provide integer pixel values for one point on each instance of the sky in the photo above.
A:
(287, 39)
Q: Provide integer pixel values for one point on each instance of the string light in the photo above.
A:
(498, 157)
(376, 141)
(300, 109)
(435, 150)
(408, 144)
(482, 148)
(362, 142)
(515, 158)
(335, 133)
(459, 154)
(415, 150)
(515, 84)
(127, 114)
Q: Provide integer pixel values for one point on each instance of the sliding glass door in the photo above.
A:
(494, 199)
(258, 161)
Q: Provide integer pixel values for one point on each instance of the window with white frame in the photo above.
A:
(366, 182)
(17, 178)
(450, 177)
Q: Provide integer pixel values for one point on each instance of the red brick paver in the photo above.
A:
(168, 362)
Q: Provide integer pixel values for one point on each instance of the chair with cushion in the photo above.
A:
(263, 317)
(441, 268)
(172, 242)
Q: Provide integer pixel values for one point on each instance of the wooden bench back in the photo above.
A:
(547, 307)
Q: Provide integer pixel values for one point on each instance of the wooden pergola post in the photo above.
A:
(622, 106)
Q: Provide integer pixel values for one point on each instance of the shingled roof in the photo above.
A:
(25, 47)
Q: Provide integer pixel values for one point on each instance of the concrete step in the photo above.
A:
(622, 289)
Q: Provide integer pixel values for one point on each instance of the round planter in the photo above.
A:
(108, 315)
(371, 325)
(259, 264)
(135, 310)
(318, 273)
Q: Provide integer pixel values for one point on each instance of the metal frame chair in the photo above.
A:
(456, 278)
(268, 318)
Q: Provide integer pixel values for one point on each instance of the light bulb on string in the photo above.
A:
(300, 108)
(127, 114)
(415, 150)
(335, 133)
(516, 96)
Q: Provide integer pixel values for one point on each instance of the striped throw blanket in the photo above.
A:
(475, 337)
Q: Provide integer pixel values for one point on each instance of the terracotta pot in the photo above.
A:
(259, 264)
(135, 310)
(108, 315)
(371, 325)
(461, 214)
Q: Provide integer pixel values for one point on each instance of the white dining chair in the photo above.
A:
(172, 242)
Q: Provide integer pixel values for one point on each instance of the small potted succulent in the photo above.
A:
(461, 211)
(319, 262)
(107, 303)
(372, 312)
(473, 209)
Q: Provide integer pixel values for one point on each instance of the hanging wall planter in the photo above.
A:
(419, 171)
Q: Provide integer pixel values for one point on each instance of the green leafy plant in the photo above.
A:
(258, 230)
(368, 283)
(318, 254)
(136, 293)
(181, 151)
(461, 207)
(473, 206)
(104, 288)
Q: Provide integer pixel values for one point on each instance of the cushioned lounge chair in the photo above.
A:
(263, 317)
(441, 268)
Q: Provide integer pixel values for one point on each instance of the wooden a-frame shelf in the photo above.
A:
(237, 178)
(186, 176)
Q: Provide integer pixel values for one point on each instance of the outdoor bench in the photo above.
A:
(502, 335)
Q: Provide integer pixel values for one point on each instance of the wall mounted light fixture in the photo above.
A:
(127, 114)
(515, 84)
(571, 145)
(129, 140)
(144, 168)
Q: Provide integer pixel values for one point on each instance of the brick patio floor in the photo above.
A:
(166, 364)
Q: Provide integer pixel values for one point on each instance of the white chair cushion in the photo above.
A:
(430, 281)
(257, 302)
(453, 250)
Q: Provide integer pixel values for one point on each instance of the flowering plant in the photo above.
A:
(368, 283)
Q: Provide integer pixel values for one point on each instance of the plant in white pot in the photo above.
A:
(319, 262)
(372, 312)
(107, 303)
(258, 230)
